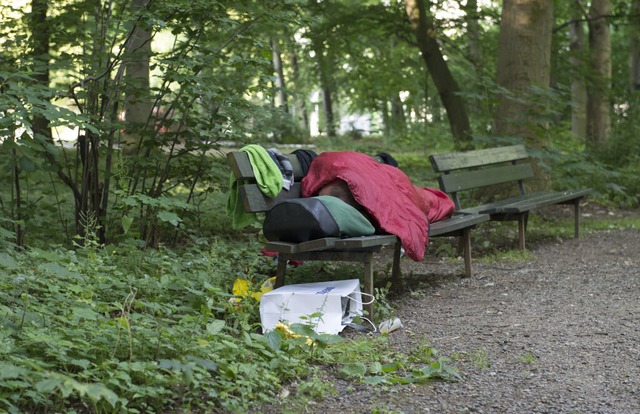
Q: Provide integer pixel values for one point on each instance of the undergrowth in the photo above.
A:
(120, 329)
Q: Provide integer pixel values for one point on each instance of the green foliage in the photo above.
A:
(419, 365)
(122, 329)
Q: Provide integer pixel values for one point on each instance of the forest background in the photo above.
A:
(118, 258)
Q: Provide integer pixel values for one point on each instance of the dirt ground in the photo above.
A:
(557, 333)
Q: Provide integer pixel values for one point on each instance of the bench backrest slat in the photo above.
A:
(444, 163)
(467, 180)
(242, 170)
(256, 202)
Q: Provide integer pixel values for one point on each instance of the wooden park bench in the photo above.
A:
(466, 171)
(354, 249)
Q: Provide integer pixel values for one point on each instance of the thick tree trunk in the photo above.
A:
(280, 83)
(598, 108)
(327, 106)
(578, 83)
(398, 118)
(326, 87)
(473, 33)
(634, 46)
(138, 105)
(437, 66)
(40, 43)
(524, 60)
(299, 109)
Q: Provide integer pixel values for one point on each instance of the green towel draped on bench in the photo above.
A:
(269, 180)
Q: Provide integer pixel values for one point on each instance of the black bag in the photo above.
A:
(299, 220)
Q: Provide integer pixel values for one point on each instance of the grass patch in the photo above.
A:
(528, 358)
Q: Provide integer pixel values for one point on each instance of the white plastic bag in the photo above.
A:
(337, 302)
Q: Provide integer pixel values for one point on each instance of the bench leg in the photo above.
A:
(368, 282)
(465, 240)
(281, 270)
(522, 230)
(576, 215)
(395, 269)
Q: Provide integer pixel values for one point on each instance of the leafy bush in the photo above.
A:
(119, 329)
(128, 330)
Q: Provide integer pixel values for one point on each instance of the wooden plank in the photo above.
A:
(526, 202)
(311, 245)
(533, 201)
(256, 202)
(353, 244)
(365, 242)
(242, 169)
(456, 224)
(489, 208)
(330, 255)
(240, 166)
(443, 163)
(467, 180)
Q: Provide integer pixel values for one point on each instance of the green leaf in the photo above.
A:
(11, 371)
(273, 340)
(97, 392)
(49, 385)
(85, 313)
(215, 327)
(357, 369)
(8, 262)
(304, 330)
(204, 363)
(169, 217)
(328, 339)
(375, 368)
(126, 223)
(375, 380)
(391, 367)
(26, 164)
(59, 271)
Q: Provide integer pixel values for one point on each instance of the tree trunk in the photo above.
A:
(40, 43)
(299, 110)
(634, 46)
(473, 33)
(280, 83)
(578, 83)
(326, 87)
(442, 77)
(524, 60)
(598, 112)
(398, 118)
(138, 105)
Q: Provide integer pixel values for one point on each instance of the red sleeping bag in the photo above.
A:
(386, 194)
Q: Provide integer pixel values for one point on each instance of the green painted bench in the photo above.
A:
(355, 249)
(509, 165)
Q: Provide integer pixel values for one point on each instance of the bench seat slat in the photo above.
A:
(526, 202)
(533, 201)
(311, 245)
(456, 224)
(365, 242)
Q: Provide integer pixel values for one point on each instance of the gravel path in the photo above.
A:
(559, 333)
